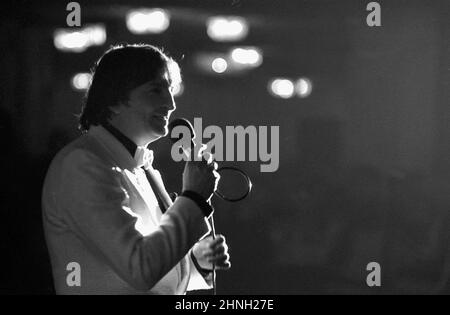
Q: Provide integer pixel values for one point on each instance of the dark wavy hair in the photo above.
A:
(121, 69)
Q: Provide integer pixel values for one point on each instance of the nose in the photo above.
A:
(170, 104)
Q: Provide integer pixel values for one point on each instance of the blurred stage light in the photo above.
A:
(178, 90)
(81, 81)
(247, 56)
(96, 34)
(219, 65)
(224, 64)
(282, 88)
(71, 41)
(145, 21)
(79, 40)
(303, 87)
(223, 29)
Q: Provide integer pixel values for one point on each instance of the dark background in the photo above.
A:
(364, 161)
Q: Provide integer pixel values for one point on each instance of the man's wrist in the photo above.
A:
(199, 200)
(203, 271)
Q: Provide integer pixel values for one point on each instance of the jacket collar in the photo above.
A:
(116, 149)
(124, 140)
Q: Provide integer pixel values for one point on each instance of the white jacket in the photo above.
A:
(100, 212)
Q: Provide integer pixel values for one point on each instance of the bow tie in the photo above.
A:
(143, 157)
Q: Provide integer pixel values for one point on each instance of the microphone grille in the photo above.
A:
(180, 122)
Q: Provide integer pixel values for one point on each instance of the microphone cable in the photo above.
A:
(183, 122)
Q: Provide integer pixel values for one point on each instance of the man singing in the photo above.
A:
(105, 208)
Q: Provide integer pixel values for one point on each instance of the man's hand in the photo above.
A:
(201, 176)
(209, 251)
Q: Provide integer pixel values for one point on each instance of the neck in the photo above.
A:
(130, 132)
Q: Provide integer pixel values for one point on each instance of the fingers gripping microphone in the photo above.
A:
(186, 123)
(178, 122)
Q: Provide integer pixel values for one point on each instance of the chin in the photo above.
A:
(160, 132)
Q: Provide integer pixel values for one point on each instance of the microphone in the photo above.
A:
(186, 123)
(177, 122)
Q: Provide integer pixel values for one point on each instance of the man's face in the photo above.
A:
(148, 109)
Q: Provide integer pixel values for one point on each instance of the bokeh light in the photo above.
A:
(81, 81)
(223, 29)
(79, 40)
(303, 87)
(178, 90)
(280, 87)
(219, 65)
(247, 56)
(145, 21)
